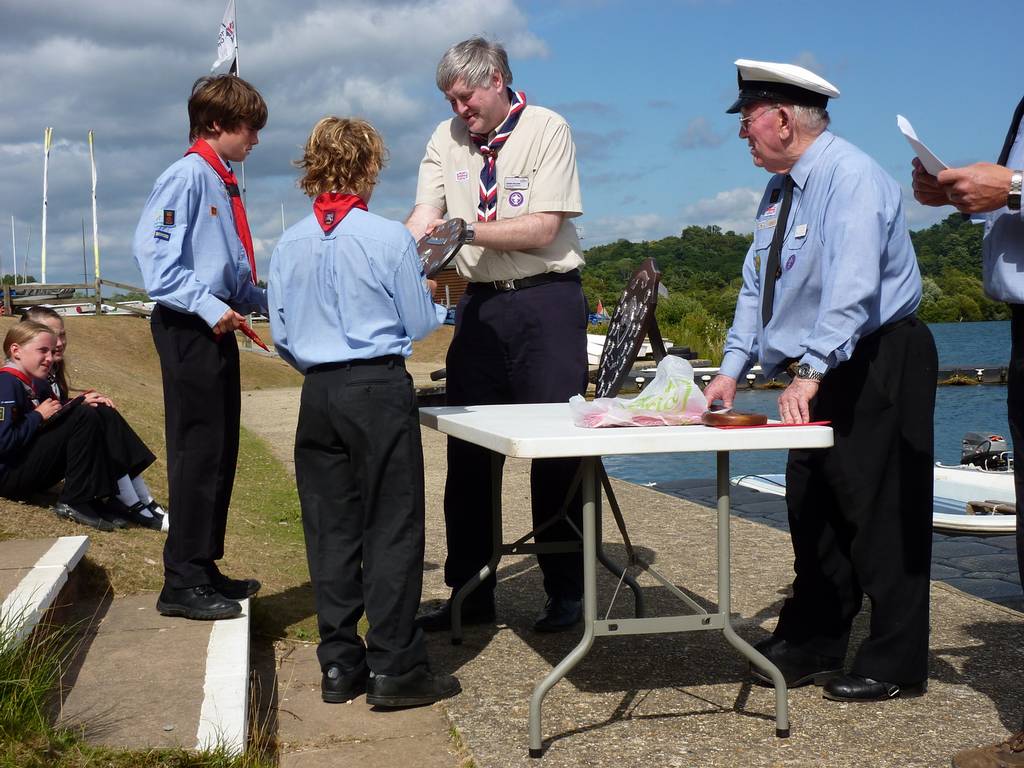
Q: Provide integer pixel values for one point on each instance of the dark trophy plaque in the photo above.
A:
(437, 249)
(632, 321)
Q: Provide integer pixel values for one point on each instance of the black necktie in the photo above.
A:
(773, 269)
(1011, 136)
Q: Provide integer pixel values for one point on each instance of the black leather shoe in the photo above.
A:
(477, 611)
(234, 589)
(559, 614)
(83, 514)
(203, 603)
(113, 511)
(415, 688)
(798, 667)
(338, 686)
(857, 688)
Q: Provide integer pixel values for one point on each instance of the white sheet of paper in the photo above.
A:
(931, 163)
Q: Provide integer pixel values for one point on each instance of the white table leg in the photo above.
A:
(725, 602)
(590, 490)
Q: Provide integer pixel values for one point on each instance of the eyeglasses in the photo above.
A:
(746, 122)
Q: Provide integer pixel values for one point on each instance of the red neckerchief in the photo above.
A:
(331, 207)
(25, 379)
(206, 152)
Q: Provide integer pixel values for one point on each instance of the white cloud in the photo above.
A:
(699, 134)
(635, 227)
(125, 70)
(733, 209)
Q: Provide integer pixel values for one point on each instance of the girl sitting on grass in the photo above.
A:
(39, 442)
(127, 455)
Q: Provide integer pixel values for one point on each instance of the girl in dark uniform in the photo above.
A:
(39, 442)
(127, 454)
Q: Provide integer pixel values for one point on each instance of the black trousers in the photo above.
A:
(359, 470)
(1015, 412)
(127, 454)
(860, 513)
(202, 403)
(71, 448)
(527, 346)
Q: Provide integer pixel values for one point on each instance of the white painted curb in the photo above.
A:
(24, 607)
(223, 719)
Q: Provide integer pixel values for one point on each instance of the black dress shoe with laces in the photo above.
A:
(858, 688)
(338, 686)
(474, 611)
(559, 614)
(798, 666)
(415, 688)
(202, 602)
(83, 514)
(235, 589)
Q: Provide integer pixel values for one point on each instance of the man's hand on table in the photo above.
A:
(722, 388)
(795, 401)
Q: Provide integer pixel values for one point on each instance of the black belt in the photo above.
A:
(391, 361)
(524, 282)
(790, 363)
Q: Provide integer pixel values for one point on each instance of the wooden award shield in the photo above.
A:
(632, 321)
(437, 249)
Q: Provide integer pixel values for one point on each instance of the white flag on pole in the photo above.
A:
(226, 42)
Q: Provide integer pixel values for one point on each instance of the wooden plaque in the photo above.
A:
(437, 249)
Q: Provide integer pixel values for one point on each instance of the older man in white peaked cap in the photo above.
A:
(830, 287)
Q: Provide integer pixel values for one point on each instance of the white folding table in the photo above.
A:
(545, 431)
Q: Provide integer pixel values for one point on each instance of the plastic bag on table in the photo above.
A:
(672, 398)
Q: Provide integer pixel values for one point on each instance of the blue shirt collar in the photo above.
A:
(803, 166)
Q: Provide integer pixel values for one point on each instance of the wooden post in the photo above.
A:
(8, 304)
(99, 297)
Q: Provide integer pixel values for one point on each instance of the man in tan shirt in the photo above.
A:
(509, 169)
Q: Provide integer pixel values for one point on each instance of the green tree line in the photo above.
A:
(701, 268)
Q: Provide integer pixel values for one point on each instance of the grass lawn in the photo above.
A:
(115, 355)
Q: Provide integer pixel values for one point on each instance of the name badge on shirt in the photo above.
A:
(517, 182)
(800, 230)
(770, 224)
(462, 175)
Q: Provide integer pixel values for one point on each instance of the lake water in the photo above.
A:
(980, 408)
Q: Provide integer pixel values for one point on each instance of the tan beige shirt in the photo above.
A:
(536, 172)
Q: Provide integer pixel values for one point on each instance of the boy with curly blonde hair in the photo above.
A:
(347, 296)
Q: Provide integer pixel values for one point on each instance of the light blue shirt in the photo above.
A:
(848, 266)
(188, 249)
(354, 294)
(1003, 246)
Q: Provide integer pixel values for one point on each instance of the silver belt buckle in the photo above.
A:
(504, 285)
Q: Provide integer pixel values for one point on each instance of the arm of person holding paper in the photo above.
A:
(976, 188)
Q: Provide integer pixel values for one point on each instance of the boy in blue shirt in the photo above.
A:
(347, 297)
(195, 251)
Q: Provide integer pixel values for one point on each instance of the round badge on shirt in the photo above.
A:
(516, 199)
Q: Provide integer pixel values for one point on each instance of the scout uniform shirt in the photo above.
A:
(18, 417)
(1003, 247)
(536, 172)
(188, 249)
(847, 264)
(356, 293)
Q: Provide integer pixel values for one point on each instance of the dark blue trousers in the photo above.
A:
(860, 513)
(1015, 412)
(525, 346)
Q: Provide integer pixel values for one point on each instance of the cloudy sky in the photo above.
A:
(643, 83)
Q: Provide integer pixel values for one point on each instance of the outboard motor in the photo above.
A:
(986, 451)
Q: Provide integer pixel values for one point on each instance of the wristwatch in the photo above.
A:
(804, 371)
(470, 232)
(1013, 198)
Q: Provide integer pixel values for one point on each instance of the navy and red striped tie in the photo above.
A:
(487, 210)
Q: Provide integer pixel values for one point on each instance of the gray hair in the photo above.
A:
(814, 120)
(474, 61)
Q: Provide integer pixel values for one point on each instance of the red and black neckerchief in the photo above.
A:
(487, 210)
(206, 152)
(27, 382)
(331, 207)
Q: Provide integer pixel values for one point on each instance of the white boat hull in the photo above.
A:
(954, 487)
